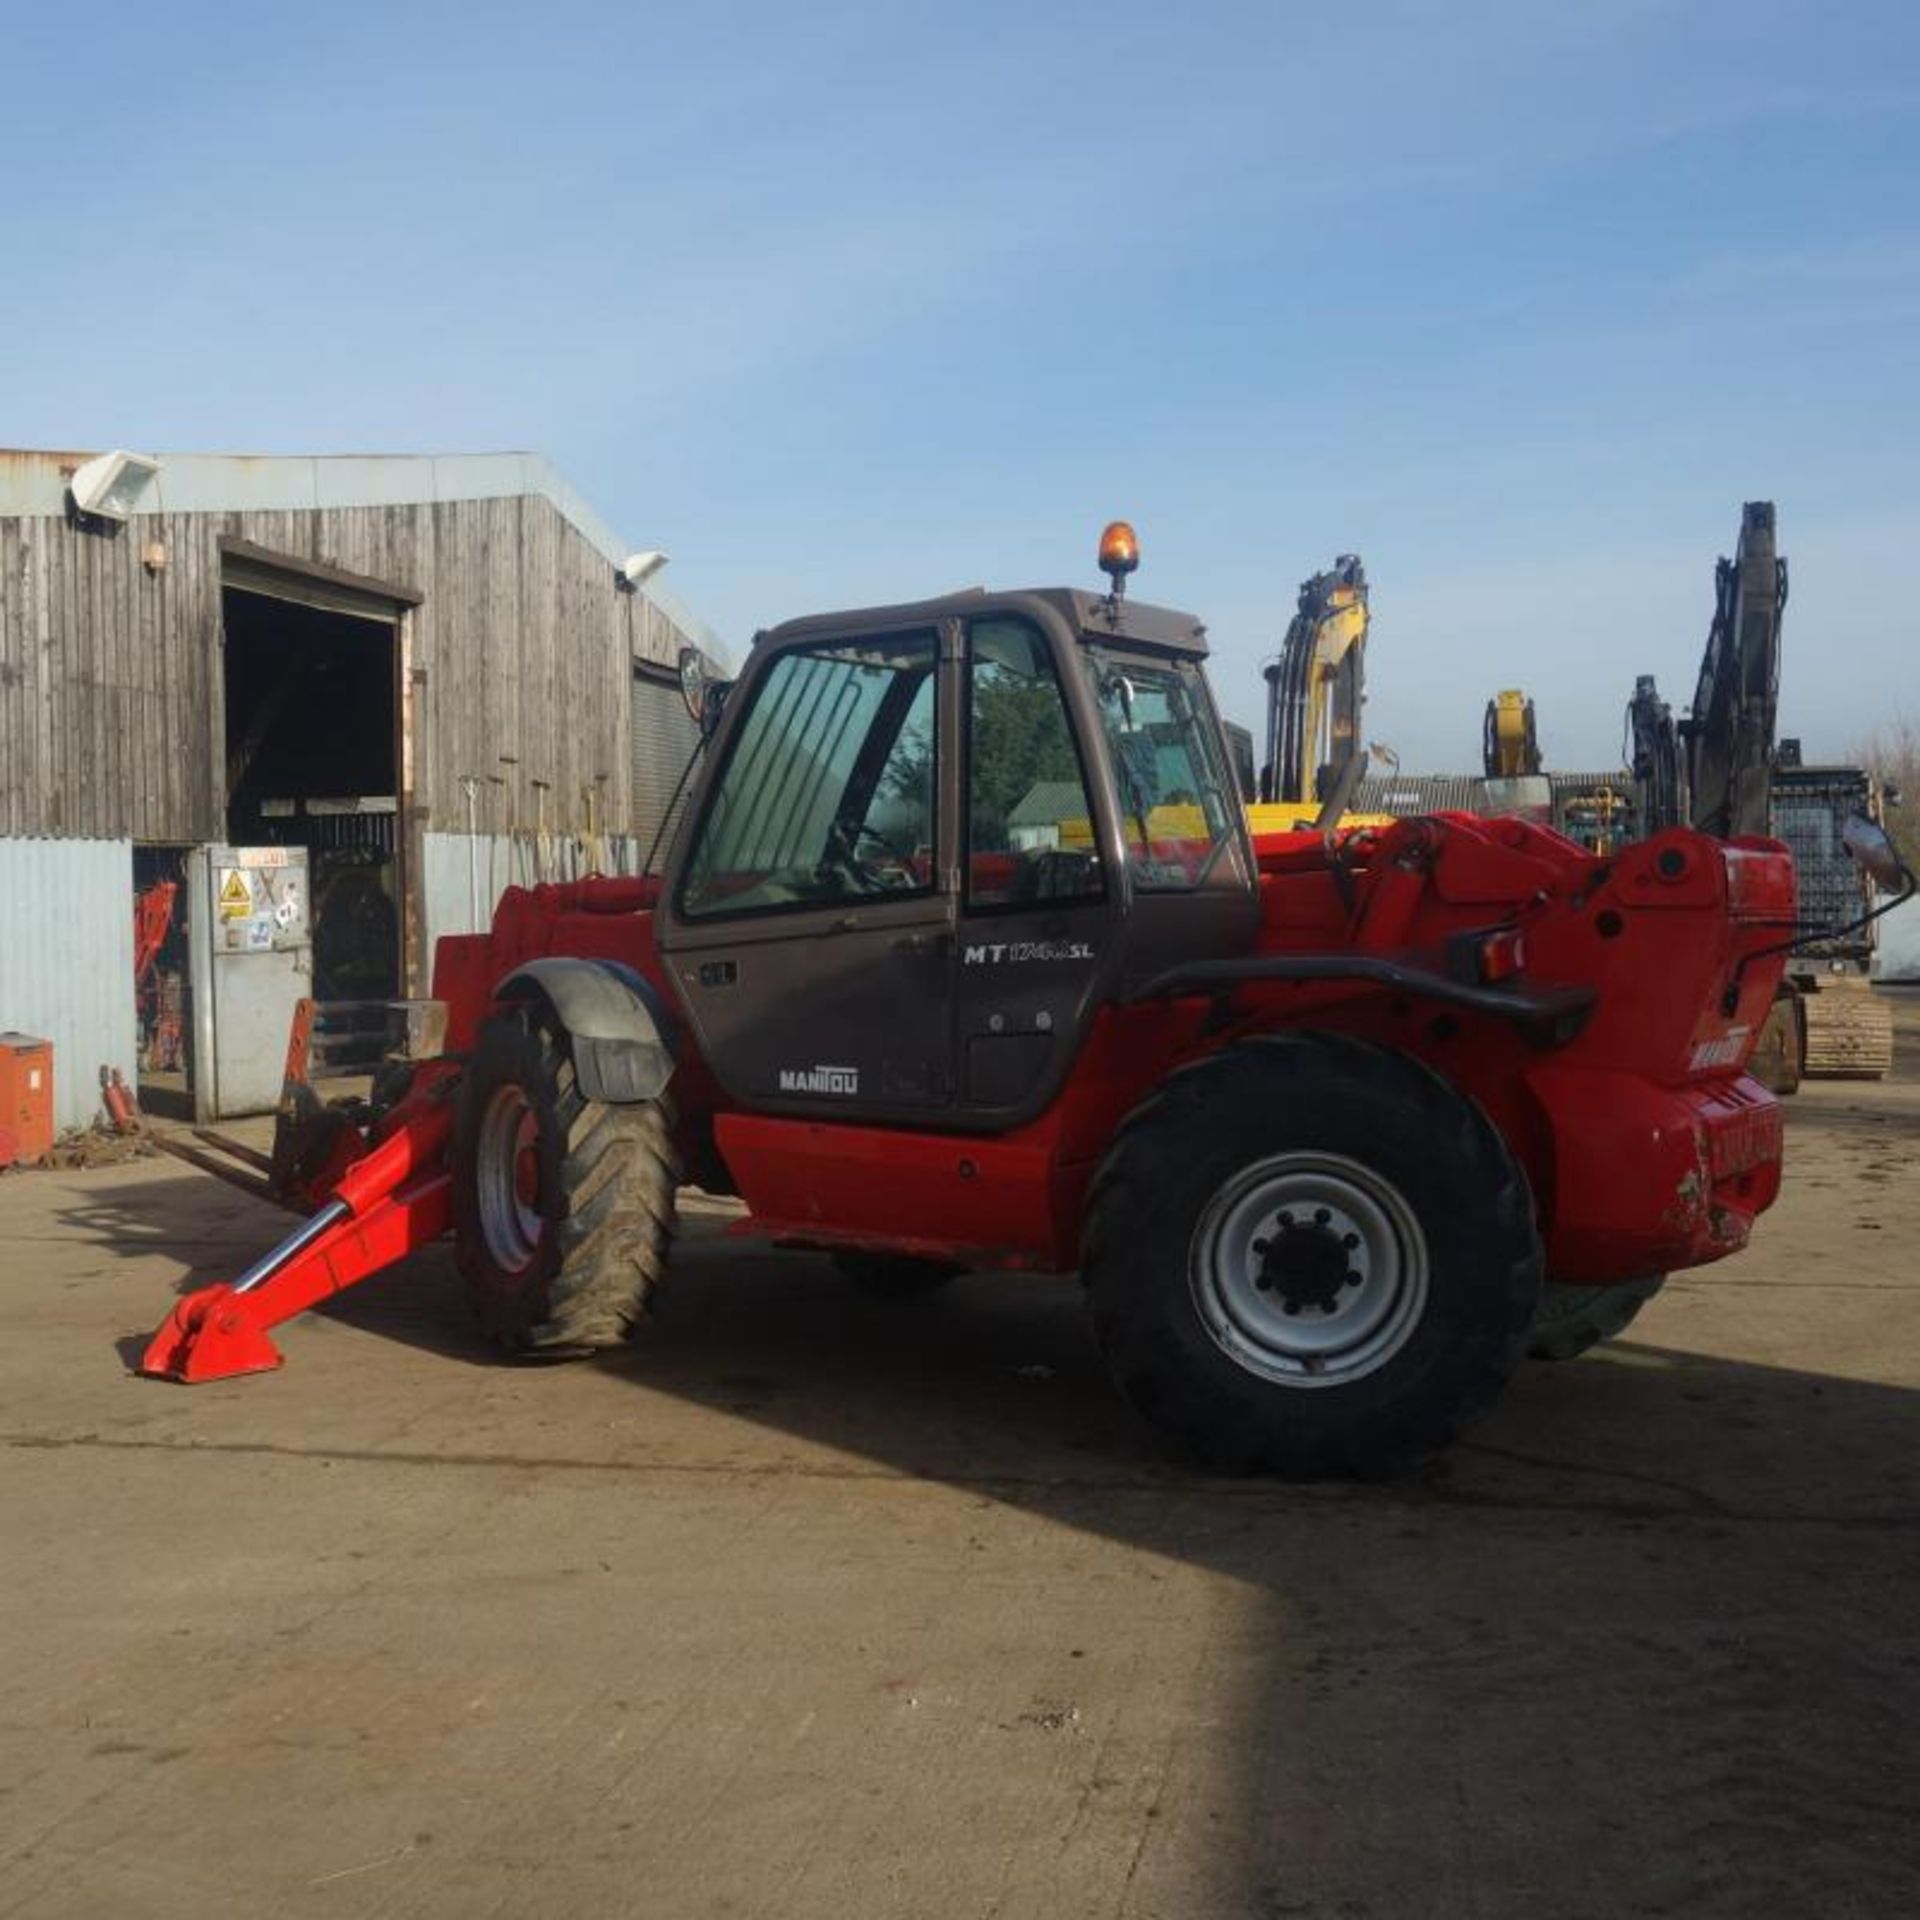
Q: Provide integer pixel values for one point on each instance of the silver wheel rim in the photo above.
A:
(510, 1222)
(1309, 1269)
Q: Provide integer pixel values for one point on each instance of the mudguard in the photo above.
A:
(621, 1039)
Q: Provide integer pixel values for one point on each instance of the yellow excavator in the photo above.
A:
(1514, 776)
(1315, 691)
(1510, 748)
(1314, 755)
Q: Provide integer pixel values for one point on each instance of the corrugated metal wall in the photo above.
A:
(664, 741)
(66, 960)
(1408, 793)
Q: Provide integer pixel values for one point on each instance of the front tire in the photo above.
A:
(563, 1206)
(1310, 1257)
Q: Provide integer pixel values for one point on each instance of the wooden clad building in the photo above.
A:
(386, 661)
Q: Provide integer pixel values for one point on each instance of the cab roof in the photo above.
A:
(1090, 616)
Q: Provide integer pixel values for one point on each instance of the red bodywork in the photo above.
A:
(1646, 1145)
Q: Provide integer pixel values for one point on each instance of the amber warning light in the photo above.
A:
(1119, 554)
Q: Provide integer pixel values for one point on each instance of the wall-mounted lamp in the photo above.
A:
(638, 567)
(110, 486)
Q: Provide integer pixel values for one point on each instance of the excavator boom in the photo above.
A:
(1713, 767)
(1315, 689)
(1729, 733)
(1510, 747)
(1718, 769)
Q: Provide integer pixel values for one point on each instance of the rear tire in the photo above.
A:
(1573, 1319)
(563, 1206)
(893, 1276)
(1310, 1257)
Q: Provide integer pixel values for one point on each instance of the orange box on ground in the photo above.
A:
(26, 1097)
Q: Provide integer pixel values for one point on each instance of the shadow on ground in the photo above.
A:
(1642, 1645)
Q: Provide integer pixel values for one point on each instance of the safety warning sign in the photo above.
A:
(236, 896)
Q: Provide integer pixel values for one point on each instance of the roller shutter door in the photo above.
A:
(664, 738)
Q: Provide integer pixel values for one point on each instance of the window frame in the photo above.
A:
(969, 905)
(1097, 656)
(694, 916)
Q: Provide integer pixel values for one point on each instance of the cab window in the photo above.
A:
(1176, 797)
(1030, 830)
(827, 797)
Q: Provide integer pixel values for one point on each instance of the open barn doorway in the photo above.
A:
(162, 981)
(312, 760)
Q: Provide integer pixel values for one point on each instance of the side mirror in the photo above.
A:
(1873, 849)
(1118, 687)
(703, 694)
(693, 681)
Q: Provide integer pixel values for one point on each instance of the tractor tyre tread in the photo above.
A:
(615, 1243)
(610, 1216)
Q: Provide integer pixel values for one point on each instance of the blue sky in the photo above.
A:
(850, 303)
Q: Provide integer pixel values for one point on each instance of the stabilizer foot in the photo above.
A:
(396, 1198)
(210, 1335)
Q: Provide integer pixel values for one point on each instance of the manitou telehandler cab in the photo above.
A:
(963, 957)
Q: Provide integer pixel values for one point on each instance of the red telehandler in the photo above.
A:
(964, 957)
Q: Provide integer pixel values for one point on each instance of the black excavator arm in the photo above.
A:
(1713, 769)
(1729, 734)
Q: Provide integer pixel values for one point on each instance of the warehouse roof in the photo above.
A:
(34, 481)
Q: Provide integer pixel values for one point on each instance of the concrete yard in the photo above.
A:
(810, 1606)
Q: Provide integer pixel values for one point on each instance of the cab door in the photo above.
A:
(1037, 912)
(811, 924)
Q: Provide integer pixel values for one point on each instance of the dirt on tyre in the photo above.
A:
(1573, 1319)
(564, 1207)
(1309, 1257)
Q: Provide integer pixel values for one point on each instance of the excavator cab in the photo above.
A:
(932, 841)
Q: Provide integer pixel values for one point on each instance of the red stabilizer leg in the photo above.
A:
(210, 1335)
(394, 1200)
